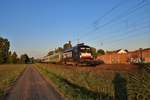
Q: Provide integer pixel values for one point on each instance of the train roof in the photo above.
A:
(78, 45)
(82, 45)
(70, 49)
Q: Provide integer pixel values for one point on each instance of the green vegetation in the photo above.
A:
(67, 45)
(8, 75)
(94, 51)
(79, 85)
(100, 52)
(11, 58)
(88, 84)
(4, 49)
(24, 59)
(139, 84)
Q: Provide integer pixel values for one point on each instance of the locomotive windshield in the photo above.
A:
(85, 53)
(85, 50)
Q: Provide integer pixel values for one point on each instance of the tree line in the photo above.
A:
(9, 57)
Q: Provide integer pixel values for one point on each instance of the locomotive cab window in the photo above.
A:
(85, 50)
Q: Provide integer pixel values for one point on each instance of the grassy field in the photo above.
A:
(8, 75)
(96, 84)
(139, 84)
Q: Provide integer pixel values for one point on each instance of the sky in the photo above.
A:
(37, 26)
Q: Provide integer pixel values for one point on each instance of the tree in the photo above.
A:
(100, 52)
(37, 60)
(93, 51)
(24, 59)
(67, 45)
(14, 58)
(32, 60)
(4, 50)
(9, 60)
(50, 53)
(59, 49)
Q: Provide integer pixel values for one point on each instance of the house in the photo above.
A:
(122, 51)
(122, 56)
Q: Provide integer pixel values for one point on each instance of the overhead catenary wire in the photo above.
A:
(105, 14)
(131, 36)
(125, 36)
(123, 33)
(123, 15)
(112, 33)
(114, 43)
(96, 22)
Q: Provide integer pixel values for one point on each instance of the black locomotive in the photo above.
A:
(79, 54)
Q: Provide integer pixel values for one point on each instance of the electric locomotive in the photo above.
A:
(79, 54)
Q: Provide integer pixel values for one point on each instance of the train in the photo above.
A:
(78, 55)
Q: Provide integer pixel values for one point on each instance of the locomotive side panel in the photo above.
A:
(68, 56)
(56, 58)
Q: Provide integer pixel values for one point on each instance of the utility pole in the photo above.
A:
(78, 41)
(141, 56)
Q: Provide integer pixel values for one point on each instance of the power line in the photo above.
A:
(135, 8)
(107, 13)
(114, 42)
(131, 36)
(96, 36)
(122, 16)
(122, 38)
(128, 32)
(127, 35)
(96, 22)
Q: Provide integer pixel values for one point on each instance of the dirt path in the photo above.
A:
(31, 86)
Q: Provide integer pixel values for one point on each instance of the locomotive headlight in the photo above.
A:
(86, 55)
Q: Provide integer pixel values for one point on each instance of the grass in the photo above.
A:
(79, 85)
(88, 84)
(8, 75)
(139, 84)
